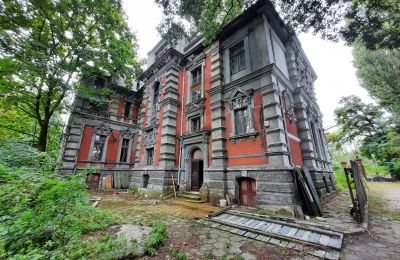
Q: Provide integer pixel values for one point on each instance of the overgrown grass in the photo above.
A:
(178, 255)
(341, 181)
(156, 238)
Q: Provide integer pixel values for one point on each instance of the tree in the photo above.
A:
(373, 128)
(47, 48)
(379, 73)
(375, 23)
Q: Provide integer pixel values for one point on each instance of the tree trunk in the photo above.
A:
(44, 129)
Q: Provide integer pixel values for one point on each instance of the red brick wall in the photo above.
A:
(85, 145)
(247, 147)
(295, 146)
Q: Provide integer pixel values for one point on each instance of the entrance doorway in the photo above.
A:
(197, 166)
(247, 192)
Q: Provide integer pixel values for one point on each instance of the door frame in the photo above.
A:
(237, 188)
(186, 176)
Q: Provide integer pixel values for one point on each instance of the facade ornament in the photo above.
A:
(102, 129)
(150, 138)
(126, 133)
(288, 105)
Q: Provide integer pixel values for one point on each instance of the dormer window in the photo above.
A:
(237, 58)
(195, 89)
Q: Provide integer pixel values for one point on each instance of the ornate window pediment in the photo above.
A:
(150, 138)
(126, 133)
(102, 129)
(240, 98)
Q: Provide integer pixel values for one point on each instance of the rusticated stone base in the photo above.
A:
(159, 180)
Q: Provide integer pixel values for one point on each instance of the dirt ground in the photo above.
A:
(186, 235)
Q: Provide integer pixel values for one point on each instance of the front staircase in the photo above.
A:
(191, 196)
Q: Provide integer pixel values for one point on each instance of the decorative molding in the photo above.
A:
(150, 138)
(244, 137)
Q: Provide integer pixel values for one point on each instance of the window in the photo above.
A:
(237, 58)
(195, 124)
(127, 108)
(98, 147)
(195, 88)
(145, 181)
(155, 97)
(196, 75)
(241, 121)
(124, 150)
(150, 155)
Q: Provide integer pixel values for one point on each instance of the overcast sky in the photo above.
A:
(333, 62)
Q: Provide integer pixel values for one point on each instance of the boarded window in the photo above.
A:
(237, 58)
(241, 121)
(124, 150)
(150, 155)
(98, 147)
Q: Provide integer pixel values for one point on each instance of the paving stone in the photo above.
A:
(250, 234)
(234, 250)
(247, 223)
(219, 252)
(283, 243)
(319, 253)
(315, 237)
(276, 229)
(274, 241)
(306, 236)
(332, 255)
(272, 226)
(299, 234)
(291, 245)
(248, 256)
(260, 224)
(335, 242)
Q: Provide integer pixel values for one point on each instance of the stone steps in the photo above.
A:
(315, 241)
(191, 196)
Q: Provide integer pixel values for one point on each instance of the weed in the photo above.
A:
(178, 255)
(157, 236)
(239, 257)
(227, 244)
(208, 255)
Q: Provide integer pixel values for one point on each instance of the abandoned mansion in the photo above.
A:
(233, 117)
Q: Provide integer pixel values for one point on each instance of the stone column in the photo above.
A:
(305, 132)
(169, 115)
(277, 148)
(139, 133)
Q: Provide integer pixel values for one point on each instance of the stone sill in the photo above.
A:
(243, 137)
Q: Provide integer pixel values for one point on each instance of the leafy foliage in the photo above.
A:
(42, 214)
(376, 132)
(157, 236)
(375, 23)
(48, 47)
(379, 72)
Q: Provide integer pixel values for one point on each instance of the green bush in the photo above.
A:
(42, 213)
(157, 236)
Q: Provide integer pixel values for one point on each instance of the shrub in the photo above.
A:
(42, 213)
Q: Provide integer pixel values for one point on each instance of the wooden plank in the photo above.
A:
(309, 199)
(311, 185)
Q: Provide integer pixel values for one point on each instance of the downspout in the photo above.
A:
(181, 129)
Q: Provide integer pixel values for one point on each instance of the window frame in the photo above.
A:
(150, 159)
(198, 84)
(127, 109)
(100, 152)
(245, 128)
(198, 127)
(239, 56)
(124, 147)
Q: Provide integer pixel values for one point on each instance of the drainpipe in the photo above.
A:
(181, 128)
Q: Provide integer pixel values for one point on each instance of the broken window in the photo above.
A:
(242, 125)
(124, 150)
(127, 108)
(237, 58)
(195, 88)
(98, 147)
(196, 124)
(150, 155)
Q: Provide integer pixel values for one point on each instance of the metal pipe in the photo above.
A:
(181, 129)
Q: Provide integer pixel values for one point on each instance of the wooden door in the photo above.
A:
(247, 192)
(195, 176)
(93, 180)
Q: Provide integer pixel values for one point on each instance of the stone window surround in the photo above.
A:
(125, 134)
(202, 65)
(227, 61)
(240, 100)
(198, 113)
(152, 134)
(102, 129)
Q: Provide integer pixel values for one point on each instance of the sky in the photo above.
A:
(333, 62)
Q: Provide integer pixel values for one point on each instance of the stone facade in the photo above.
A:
(215, 118)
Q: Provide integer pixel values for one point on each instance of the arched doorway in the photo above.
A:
(197, 167)
(247, 192)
